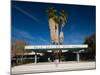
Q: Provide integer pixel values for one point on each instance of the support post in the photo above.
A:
(77, 56)
(35, 58)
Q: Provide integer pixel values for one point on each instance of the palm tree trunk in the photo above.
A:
(52, 29)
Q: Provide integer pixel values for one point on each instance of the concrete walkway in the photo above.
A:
(52, 67)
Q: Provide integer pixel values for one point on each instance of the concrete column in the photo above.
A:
(77, 56)
(35, 58)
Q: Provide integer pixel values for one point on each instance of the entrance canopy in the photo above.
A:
(43, 48)
(55, 47)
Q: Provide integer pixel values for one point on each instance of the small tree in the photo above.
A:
(18, 50)
(91, 50)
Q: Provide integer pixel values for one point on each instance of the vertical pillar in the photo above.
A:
(35, 58)
(60, 51)
(77, 56)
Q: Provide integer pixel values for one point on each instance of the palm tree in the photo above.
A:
(51, 15)
(63, 18)
(54, 21)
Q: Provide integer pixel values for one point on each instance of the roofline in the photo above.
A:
(53, 47)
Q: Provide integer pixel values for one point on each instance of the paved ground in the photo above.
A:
(51, 67)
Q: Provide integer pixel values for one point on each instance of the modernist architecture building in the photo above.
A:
(77, 49)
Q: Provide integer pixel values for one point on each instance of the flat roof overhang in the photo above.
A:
(55, 47)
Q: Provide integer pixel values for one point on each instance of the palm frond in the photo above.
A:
(51, 12)
(63, 17)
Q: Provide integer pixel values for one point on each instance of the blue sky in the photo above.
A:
(30, 22)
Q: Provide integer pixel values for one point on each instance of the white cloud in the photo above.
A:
(23, 35)
(26, 13)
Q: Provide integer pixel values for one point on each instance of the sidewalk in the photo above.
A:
(51, 67)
